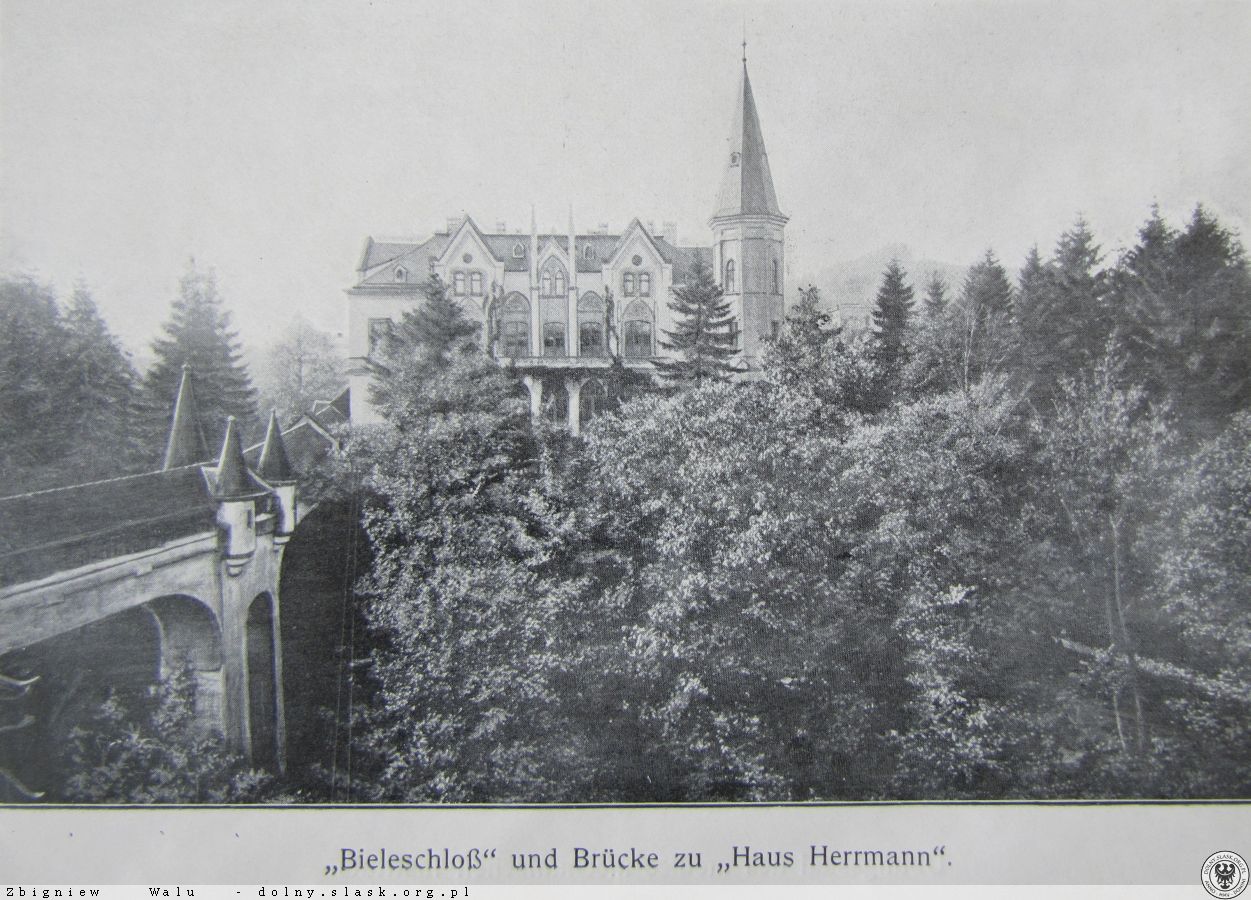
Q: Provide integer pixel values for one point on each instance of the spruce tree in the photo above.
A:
(438, 328)
(102, 394)
(935, 296)
(705, 338)
(198, 334)
(802, 353)
(892, 317)
(982, 321)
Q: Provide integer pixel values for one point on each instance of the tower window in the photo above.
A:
(645, 285)
(475, 284)
(627, 284)
(458, 281)
(729, 276)
(519, 251)
(777, 279)
(734, 158)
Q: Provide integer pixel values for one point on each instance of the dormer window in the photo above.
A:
(519, 250)
(588, 252)
(734, 158)
(401, 274)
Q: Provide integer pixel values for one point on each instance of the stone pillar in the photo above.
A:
(534, 384)
(280, 705)
(234, 607)
(573, 387)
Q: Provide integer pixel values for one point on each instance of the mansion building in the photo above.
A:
(562, 308)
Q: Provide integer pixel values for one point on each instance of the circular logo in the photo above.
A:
(1224, 874)
(468, 258)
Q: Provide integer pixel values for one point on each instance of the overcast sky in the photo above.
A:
(267, 139)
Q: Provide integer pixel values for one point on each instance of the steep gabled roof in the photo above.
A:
(747, 187)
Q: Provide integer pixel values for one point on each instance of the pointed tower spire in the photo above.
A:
(232, 471)
(747, 188)
(274, 465)
(186, 443)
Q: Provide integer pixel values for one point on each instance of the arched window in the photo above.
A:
(645, 285)
(401, 274)
(458, 280)
(560, 284)
(638, 330)
(593, 400)
(546, 284)
(729, 276)
(514, 327)
(627, 284)
(475, 284)
(777, 278)
(591, 326)
(519, 250)
(734, 158)
(553, 339)
(588, 252)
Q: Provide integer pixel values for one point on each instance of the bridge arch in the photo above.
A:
(262, 683)
(191, 638)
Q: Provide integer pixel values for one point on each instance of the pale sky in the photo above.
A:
(267, 139)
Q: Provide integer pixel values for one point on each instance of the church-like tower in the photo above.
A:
(748, 231)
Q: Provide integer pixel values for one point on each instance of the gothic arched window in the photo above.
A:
(777, 279)
(638, 330)
(729, 276)
(591, 325)
(514, 327)
(560, 284)
(546, 284)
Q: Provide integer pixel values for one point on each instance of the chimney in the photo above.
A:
(501, 227)
(453, 222)
(651, 226)
(670, 233)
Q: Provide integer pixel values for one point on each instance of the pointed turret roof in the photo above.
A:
(233, 480)
(274, 466)
(186, 443)
(747, 188)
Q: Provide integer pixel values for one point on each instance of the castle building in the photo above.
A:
(562, 308)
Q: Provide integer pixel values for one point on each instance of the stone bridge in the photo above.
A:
(127, 580)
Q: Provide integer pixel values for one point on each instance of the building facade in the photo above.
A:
(562, 308)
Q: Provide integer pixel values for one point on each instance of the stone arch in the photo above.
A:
(591, 338)
(262, 682)
(637, 330)
(190, 633)
(555, 401)
(593, 401)
(513, 326)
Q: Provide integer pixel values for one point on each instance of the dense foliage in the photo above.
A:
(1020, 572)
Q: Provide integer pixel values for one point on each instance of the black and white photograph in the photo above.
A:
(624, 403)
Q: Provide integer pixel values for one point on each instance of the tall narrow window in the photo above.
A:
(459, 281)
(553, 339)
(560, 284)
(627, 284)
(401, 274)
(546, 282)
(519, 251)
(777, 278)
(645, 285)
(729, 276)
(475, 284)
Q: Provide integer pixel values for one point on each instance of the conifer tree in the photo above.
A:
(935, 296)
(198, 334)
(438, 328)
(982, 319)
(102, 393)
(892, 318)
(705, 338)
